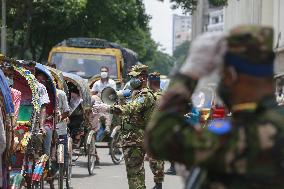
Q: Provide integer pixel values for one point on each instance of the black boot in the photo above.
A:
(158, 186)
(171, 170)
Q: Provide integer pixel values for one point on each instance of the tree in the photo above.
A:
(181, 52)
(161, 62)
(35, 26)
(190, 5)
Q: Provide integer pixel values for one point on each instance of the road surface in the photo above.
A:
(110, 176)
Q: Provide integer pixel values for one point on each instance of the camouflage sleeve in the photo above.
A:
(168, 135)
(144, 101)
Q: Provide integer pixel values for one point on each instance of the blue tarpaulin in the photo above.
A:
(6, 92)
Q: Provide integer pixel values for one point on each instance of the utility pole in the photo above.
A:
(197, 20)
(3, 28)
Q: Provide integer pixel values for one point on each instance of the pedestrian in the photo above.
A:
(156, 165)
(135, 115)
(244, 153)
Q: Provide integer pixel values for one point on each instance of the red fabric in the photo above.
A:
(21, 84)
(16, 97)
(218, 113)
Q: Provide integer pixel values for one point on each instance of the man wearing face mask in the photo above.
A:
(247, 154)
(135, 116)
(104, 82)
(99, 86)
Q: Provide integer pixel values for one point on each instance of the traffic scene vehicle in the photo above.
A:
(85, 57)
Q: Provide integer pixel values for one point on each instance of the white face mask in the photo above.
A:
(104, 75)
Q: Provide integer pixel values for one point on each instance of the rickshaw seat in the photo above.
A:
(25, 113)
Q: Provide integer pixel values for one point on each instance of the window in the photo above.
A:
(215, 20)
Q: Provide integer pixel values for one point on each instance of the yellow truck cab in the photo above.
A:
(85, 57)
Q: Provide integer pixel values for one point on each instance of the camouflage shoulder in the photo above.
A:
(274, 115)
(146, 91)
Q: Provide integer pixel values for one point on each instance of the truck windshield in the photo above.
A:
(84, 65)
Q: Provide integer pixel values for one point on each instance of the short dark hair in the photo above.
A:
(104, 67)
(29, 63)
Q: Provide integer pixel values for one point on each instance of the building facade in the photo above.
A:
(215, 20)
(181, 29)
(264, 12)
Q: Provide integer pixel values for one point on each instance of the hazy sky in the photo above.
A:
(161, 22)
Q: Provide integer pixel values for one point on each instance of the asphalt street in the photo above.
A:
(109, 176)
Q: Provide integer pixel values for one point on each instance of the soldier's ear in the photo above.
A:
(230, 76)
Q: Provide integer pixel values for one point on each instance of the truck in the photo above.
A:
(85, 57)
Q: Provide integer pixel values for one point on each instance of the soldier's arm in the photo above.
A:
(168, 136)
(144, 101)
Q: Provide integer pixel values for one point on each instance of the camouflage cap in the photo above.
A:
(155, 76)
(138, 69)
(252, 42)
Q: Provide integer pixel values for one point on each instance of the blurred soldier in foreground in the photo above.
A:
(157, 166)
(245, 155)
(135, 116)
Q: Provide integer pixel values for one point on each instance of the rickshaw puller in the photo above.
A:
(44, 101)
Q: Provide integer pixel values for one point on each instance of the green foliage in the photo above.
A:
(35, 26)
(181, 53)
(218, 3)
(161, 62)
(190, 5)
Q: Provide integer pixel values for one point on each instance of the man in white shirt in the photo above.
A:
(99, 86)
(104, 82)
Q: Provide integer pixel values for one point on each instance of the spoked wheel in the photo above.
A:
(60, 159)
(116, 149)
(38, 185)
(91, 155)
(61, 175)
(68, 167)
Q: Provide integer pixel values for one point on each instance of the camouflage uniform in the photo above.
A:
(156, 165)
(249, 155)
(134, 118)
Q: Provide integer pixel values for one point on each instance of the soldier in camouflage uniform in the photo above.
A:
(157, 166)
(135, 116)
(245, 155)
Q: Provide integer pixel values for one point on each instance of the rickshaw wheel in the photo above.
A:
(91, 155)
(116, 149)
(61, 175)
(69, 164)
(60, 157)
(38, 185)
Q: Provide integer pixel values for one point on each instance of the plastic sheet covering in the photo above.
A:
(6, 93)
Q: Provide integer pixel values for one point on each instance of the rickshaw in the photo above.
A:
(61, 84)
(58, 76)
(80, 126)
(6, 116)
(58, 146)
(27, 159)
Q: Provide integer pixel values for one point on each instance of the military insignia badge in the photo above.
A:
(140, 100)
